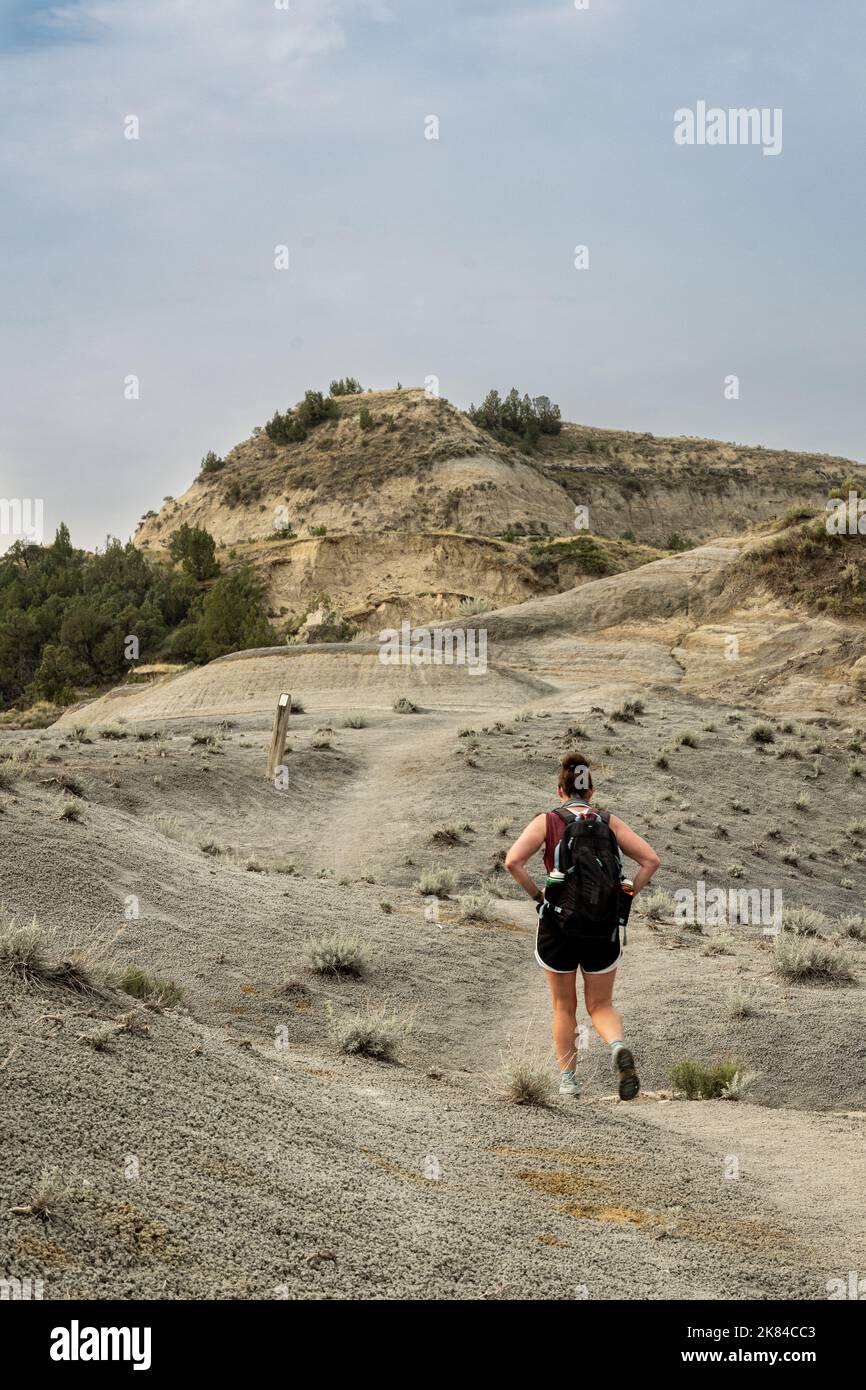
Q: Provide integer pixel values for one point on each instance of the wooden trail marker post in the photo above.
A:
(278, 737)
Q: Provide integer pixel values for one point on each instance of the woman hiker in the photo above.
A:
(561, 950)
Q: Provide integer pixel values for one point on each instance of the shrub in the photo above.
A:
(763, 733)
(242, 492)
(293, 426)
(804, 958)
(469, 606)
(687, 739)
(515, 415)
(346, 386)
(8, 779)
(661, 760)
(50, 1192)
(137, 982)
(502, 825)
(656, 904)
(524, 1080)
(211, 463)
(365, 419)
(341, 953)
(70, 812)
(698, 1081)
(741, 1003)
(628, 711)
(372, 1032)
(804, 921)
(355, 721)
(476, 907)
(405, 706)
(22, 951)
(853, 924)
(585, 550)
(721, 943)
(166, 825)
(450, 834)
(739, 1084)
(195, 548)
(855, 767)
(24, 954)
(437, 880)
(233, 616)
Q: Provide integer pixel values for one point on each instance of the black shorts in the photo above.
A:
(561, 953)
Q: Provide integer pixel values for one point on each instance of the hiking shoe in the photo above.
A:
(568, 1084)
(629, 1082)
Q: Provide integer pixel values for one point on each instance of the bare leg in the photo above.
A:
(563, 993)
(598, 993)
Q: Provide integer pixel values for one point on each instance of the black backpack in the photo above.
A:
(587, 902)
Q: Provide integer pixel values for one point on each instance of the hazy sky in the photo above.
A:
(261, 126)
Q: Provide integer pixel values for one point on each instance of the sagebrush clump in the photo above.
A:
(372, 1032)
(438, 880)
(340, 953)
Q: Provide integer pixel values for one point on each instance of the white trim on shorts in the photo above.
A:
(550, 970)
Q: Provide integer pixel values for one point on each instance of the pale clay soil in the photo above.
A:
(234, 1152)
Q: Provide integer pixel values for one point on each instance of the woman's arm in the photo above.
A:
(637, 849)
(524, 847)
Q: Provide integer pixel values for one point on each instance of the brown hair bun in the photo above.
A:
(574, 774)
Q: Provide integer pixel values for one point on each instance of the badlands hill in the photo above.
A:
(424, 509)
(424, 466)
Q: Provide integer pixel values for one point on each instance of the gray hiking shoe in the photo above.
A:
(629, 1082)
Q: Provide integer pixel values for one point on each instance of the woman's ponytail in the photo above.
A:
(575, 778)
